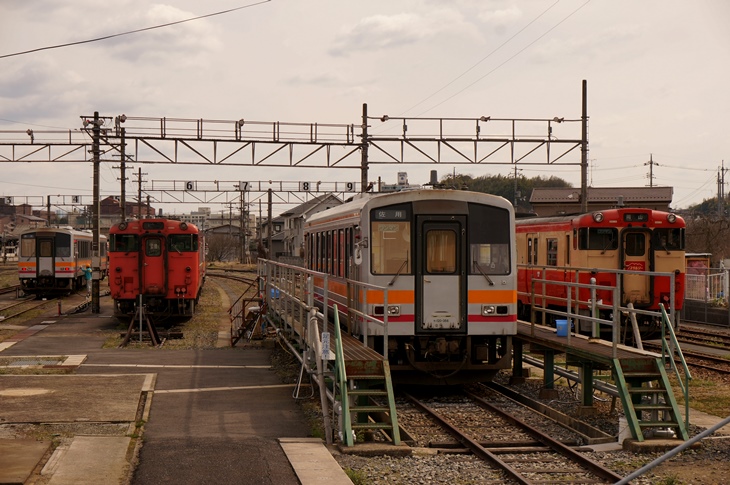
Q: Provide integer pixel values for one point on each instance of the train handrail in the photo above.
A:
(668, 351)
(671, 275)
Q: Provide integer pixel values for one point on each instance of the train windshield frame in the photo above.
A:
(390, 240)
(63, 245)
(489, 232)
(598, 238)
(27, 246)
(123, 243)
(183, 243)
(668, 239)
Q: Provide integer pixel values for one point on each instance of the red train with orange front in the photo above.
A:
(622, 247)
(159, 263)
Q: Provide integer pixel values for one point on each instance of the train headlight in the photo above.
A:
(183, 226)
(671, 218)
(598, 216)
(187, 269)
(393, 310)
(488, 310)
(122, 226)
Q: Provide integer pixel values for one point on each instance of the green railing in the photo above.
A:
(668, 353)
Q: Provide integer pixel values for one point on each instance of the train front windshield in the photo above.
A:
(489, 237)
(123, 243)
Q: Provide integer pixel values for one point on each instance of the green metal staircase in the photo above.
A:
(361, 387)
(647, 397)
(645, 391)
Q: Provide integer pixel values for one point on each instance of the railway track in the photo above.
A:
(697, 335)
(506, 442)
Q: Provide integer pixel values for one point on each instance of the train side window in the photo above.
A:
(348, 251)
(551, 251)
(635, 244)
(567, 250)
(529, 251)
(153, 247)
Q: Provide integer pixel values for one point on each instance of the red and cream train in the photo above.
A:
(600, 243)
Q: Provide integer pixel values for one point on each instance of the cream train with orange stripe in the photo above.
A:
(52, 260)
(447, 258)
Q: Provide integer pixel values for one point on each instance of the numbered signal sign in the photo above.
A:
(189, 185)
(75, 199)
(305, 186)
(9, 200)
(243, 186)
(350, 187)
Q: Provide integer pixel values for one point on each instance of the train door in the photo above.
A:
(46, 256)
(635, 257)
(441, 274)
(153, 281)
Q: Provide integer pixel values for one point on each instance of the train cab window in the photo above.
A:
(183, 242)
(635, 244)
(441, 251)
(45, 248)
(391, 247)
(598, 238)
(153, 247)
(489, 231)
(668, 239)
(123, 243)
(551, 251)
(27, 245)
(63, 245)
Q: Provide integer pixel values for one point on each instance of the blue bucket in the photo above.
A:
(562, 326)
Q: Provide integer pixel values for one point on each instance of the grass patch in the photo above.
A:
(712, 397)
(357, 477)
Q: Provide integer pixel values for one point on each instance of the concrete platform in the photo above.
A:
(312, 462)
(18, 459)
(90, 459)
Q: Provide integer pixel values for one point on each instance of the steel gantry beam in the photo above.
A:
(481, 140)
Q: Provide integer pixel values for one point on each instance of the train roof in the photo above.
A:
(358, 202)
(587, 217)
(61, 230)
(167, 223)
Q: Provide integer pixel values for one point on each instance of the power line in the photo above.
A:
(481, 60)
(107, 37)
(508, 59)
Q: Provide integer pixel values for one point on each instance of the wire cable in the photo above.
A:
(482, 59)
(145, 29)
(508, 60)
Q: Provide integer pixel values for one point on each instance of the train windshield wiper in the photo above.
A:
(397, 273)
(489, 280)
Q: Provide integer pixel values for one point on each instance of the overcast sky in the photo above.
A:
(658, 74)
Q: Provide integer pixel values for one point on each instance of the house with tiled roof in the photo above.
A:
(566, 200)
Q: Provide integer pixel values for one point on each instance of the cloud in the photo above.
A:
(380, 32)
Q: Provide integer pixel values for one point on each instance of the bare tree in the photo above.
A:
(222, 247)
(708, 234)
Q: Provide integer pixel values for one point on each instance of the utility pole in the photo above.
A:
(123, 170)
(651, 164)
(139, 192)
(584, 151)
(271, 230)
(364, 150)
(242, 229)
(48, 209)
(95, 253)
